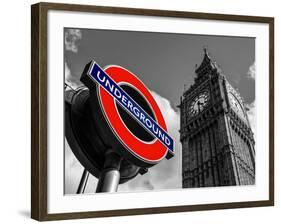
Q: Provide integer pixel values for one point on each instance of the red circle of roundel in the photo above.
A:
(151, 152)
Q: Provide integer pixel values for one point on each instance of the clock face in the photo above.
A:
(199, 103)
(236, 105)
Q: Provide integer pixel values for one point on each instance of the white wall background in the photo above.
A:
(15, 111)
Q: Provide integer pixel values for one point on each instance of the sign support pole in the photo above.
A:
(83, 182)
(110, 175)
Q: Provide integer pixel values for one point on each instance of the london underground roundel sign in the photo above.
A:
(132, 113)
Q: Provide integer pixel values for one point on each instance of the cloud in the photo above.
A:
(251, 111)
(70, 79)
(252, 71)
(73, 171)
(70, 39)
(246, 84)
(72, 36)
(166, 174)
(251, 107)
(67, 73)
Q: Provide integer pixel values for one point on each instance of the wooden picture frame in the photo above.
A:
(39, 109)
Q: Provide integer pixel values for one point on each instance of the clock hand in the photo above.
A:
(199, 104)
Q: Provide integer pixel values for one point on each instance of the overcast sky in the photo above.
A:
(165, 63)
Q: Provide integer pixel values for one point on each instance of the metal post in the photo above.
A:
(110, 175)
(83, 182)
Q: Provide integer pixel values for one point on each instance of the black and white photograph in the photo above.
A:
(202, 89)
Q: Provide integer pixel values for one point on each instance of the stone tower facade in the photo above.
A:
(217, 140)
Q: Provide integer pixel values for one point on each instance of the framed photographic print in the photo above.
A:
(138, 111)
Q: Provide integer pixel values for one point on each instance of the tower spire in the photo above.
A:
(206, 62)
(205, 50)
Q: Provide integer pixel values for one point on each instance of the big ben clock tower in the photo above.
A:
(217, 140)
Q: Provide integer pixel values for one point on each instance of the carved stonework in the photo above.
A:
(217, 141)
